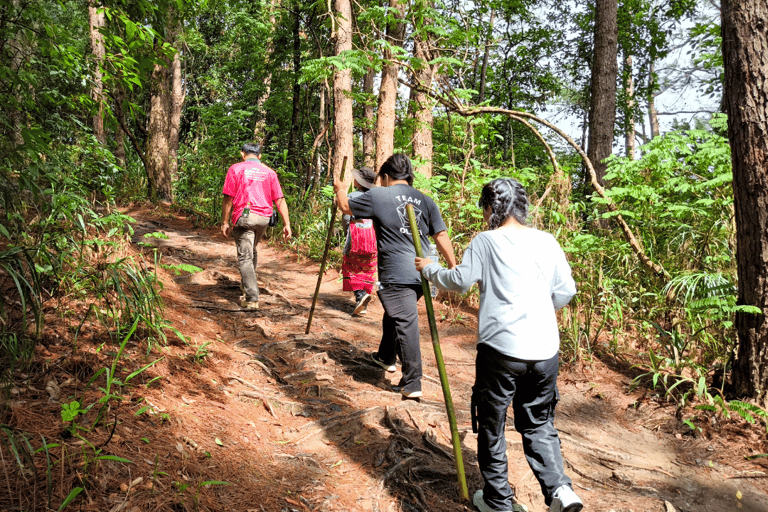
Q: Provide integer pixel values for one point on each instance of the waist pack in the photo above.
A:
(273, 218)
(362, 237)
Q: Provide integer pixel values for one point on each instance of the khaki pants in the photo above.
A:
(247, 234)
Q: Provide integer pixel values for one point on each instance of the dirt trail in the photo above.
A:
(304, 422)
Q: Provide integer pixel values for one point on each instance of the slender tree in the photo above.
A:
(385, 121)
(96, 23)
(602, 110)
(369, 121)
(420, 105)
(745, 39)
(343, 142)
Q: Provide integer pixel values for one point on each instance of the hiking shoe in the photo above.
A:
(387, 367)
(407, 394)
(361, 307)
(565, 500)
(249, 304)
(482, 506)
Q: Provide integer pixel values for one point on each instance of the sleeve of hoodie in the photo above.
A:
(461, 277)
(563, 285)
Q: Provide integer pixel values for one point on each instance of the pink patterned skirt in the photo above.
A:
(358, 268)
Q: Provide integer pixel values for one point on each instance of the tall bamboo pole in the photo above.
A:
(325, 252)
(440, 362)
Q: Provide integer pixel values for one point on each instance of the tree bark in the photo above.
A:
(343, 142)
(158, 135)
(385, 122)
(629, 128)
(369, 133)
(177, 103)
(96, 20)
(653, 114)
(420, 105)
(745, 39)
(486, 55)
(602, 111)
(294, 133)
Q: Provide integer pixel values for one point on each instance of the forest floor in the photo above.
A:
(252, 414)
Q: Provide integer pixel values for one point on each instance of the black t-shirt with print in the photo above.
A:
(386, 206)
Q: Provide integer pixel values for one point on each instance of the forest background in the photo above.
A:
(104, 103)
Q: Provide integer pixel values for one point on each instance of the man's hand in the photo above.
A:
(287, 232)
(225, 229)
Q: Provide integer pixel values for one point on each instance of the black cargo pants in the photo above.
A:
(531, 388)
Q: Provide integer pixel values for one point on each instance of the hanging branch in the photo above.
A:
(449, 100)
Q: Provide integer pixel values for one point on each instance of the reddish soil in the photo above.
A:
(252, 414)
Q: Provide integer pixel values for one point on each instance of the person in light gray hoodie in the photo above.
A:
(524, 278)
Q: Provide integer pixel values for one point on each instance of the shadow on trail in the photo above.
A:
(323, 405)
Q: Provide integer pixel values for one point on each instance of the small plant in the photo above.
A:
(201, 353)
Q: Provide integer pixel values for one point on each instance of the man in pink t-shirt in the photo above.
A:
(250, 190)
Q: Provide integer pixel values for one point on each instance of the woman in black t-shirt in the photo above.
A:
(400, 288)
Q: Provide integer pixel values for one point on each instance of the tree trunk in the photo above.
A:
(294, 133)
(385, 122)
(158, 135)
(420, 105)
(369, 133)
(260, 123)
(342, 87)
(745, 59)
(629, 129)
(177, 103)
(486, 53)
(653, 114)
(96, 21)
(602, 110)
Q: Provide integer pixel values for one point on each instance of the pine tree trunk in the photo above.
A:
(96, 21)
(342, 87)
(385, 122)
(369, 133)
(420, 106)
(602, 111)
(158, 135)
(745, 39)
(177, 103)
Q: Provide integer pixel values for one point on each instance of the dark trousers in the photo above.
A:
(531, 388)
(400, 331)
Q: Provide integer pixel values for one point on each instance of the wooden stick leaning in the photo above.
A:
(440, 362)
(325, 252)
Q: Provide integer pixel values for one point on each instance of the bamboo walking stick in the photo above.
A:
(440, 362)
(325, 252)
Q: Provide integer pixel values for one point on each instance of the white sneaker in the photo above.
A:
(387, 367)
(482, 506)
(362, 305)
(565, 500)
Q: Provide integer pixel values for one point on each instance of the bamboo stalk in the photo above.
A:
(440, 362)
(325, 252)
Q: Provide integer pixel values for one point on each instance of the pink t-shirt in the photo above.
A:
(252, 184)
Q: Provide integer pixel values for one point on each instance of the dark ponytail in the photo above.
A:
(398, 167)
(506, 198)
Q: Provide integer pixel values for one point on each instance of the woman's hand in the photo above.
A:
(422, 262)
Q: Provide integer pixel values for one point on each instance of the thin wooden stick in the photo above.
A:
(325, 252)
(456, 440)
